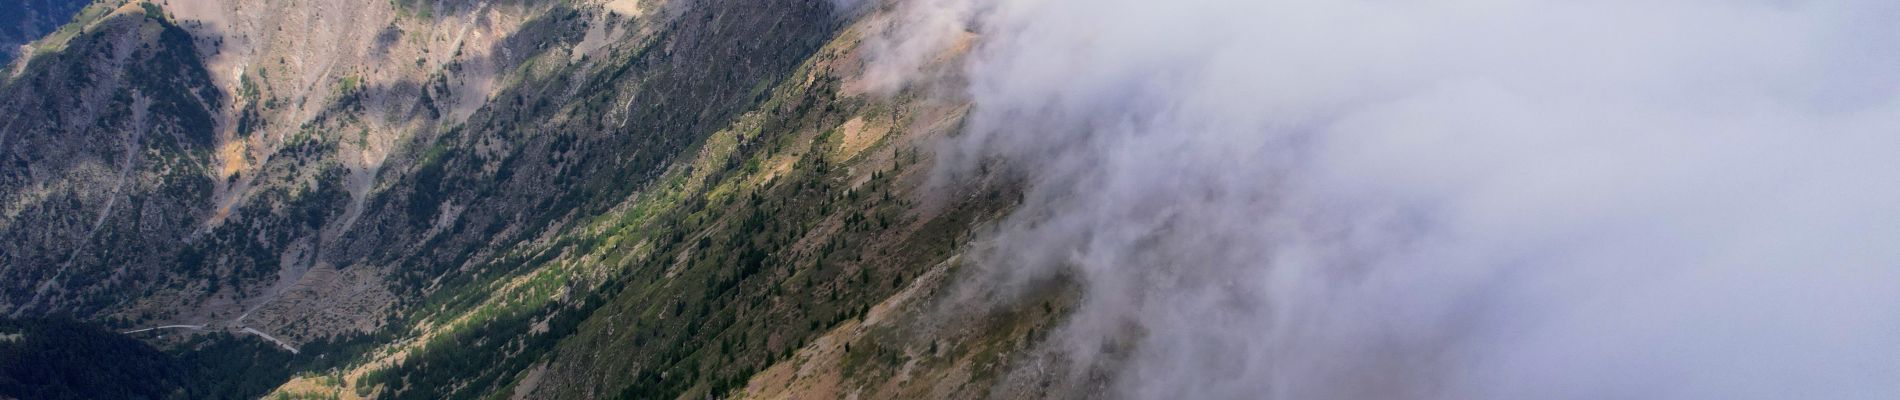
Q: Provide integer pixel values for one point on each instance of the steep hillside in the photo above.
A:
(109, 142)
(308, 166)
(430, 200)
(795, 218)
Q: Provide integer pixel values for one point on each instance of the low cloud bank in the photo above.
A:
(1501, 199)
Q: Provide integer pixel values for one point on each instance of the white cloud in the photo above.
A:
(1456, 198)
(910, 37)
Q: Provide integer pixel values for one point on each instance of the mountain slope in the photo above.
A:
(469, 199)
(107, 141)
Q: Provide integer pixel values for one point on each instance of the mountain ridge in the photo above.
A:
(490, 218)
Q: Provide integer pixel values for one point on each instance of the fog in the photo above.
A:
(1495, 199)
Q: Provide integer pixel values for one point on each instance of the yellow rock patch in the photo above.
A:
(231, 158)
(630, 8)
(857, 135)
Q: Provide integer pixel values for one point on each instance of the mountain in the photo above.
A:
(460, 199)
(796, 199)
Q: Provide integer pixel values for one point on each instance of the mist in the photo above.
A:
(1493, 199)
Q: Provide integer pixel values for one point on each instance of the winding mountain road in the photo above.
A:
(266, 336)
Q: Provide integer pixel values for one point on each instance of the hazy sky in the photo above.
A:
(1450, 199)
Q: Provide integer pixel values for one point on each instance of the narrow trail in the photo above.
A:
(127, 165)
(203, 327)
(191, 327)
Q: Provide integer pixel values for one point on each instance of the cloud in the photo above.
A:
(910, 37)
(1453, 198)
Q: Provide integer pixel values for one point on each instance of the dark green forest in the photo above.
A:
(65, 359)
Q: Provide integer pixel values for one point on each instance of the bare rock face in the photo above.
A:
(195, 163)
(308, 167)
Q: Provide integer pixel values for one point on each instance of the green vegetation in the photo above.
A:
(69, 360)
(152, 10)
(63, 359)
